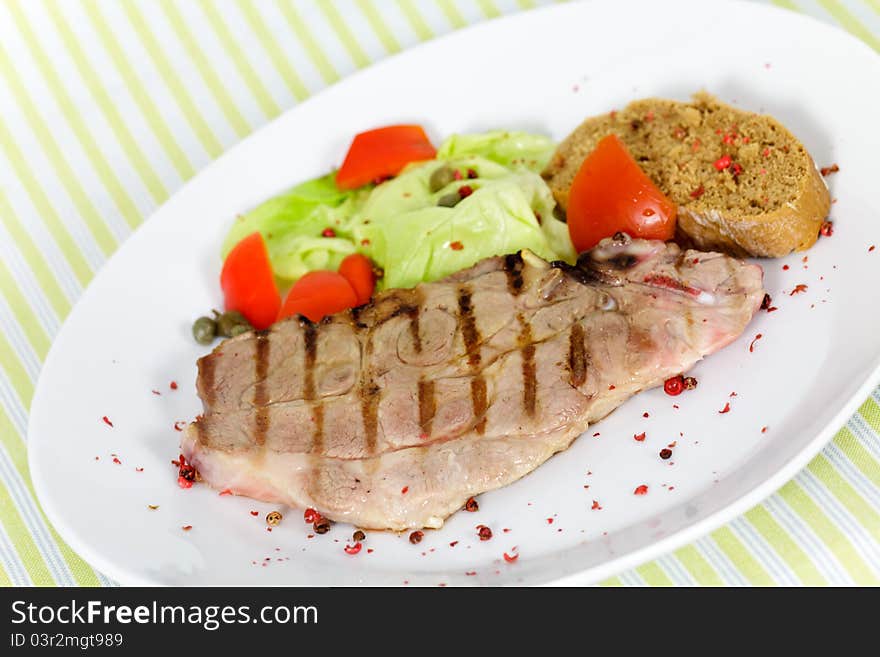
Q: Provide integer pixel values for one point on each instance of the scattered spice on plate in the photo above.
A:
(353, 549)
(763, 429)
(510, 558)
(641, 490)
(726, 408)
(752, 345)
(179, 425)
(665, 453)
(186, 528)
(639, 437)
(416, 536)
(645, 414)
(800, 287)
(358, 536)
(273, 518)
(596, 506)
(310, 516)
(255, 513)
(484, 532)
(155, 392)
(673, 385)
(871, 248)
(785, 267)
(689, 382)
(827, 171)
(173, 385)
(549, 521)
(152, 507)
(404, 490)
(321, 525)
(471, 505)
(107, 421)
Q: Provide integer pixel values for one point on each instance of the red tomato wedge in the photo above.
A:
(248, 284)
(383, 152)
(611, 193)
(317, 294)
(357, 269)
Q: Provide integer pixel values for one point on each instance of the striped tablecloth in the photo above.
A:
(108, 107)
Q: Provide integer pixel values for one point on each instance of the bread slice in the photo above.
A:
(767, 201)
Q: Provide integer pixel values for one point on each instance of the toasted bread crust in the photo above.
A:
(677, 146)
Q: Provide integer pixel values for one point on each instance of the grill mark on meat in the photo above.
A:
(529, 375)
(513, 264)
(206, 374)
(414, 327)
(577, 357)
(471, 336)
(369, 395)
(261, 394)
(427, 407)
(310, 339)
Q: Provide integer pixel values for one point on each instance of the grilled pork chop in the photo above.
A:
(393, 414)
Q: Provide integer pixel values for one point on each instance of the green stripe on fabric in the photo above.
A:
(276, 54)
(5, 582)
(245, 70)
(848, 496)
(209, 75)
(374, 18)
(138, 92)
(784, 545)
(700, 569)
(786, 4)
(15, 372)
(312, 48)
(653, 575)
(525, 4)
(23, 313)
(870, 412)
(34, 259)
(451, 12)
(172, 81)
(850, 23)
(860, 457)
(45, 211)
(875, 5)
(75, 120)
(22, 541)
(740, 556)
(15, 447)
(804, 506)
(103, 238)
(611, 581)
(108, 108)
(339, 26)
(416, 20)
(488, 8)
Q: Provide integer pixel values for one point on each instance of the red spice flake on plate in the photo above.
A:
(179, 425)
(453, 544)
(456, 245)
(484, 532)
(152, 507)
(116, 460)
(138, 469)
(785, 267)
(404, 490)
(186, 528)
(107, 421)
(255, 513)
(766, 301)
(225, 491)
(827, 171)
(800, 287)
(471, 505)
(310, 516)
(665, 453)
(871, 248)
(639, 437)
(752, 345)
(173, 385)
(673, 385)
(763, 429)
(726, 408)
(596, 435)
(416, 536)
(641, 490)
(353, 549)
(155, 392)
(596, 506)
(549, 521)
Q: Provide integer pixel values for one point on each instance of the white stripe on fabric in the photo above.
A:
(821, 556)
(149, 77)
(728, 573)
(14, 335)
(675, 571)
(865, 435)
(864, 486)
(12, 562)
(763, 552)
(37, 527)
(324, 34)
(858, 536)
(24, 279)
(185, 68)
(13, 406)
(631, 578)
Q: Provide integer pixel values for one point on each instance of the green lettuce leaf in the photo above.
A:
(510, 149)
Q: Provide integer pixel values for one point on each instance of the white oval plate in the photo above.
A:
(545, 71)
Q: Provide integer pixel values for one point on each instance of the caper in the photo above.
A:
(232, 323)
(204, 330)
(449, 200)
(441, 177)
